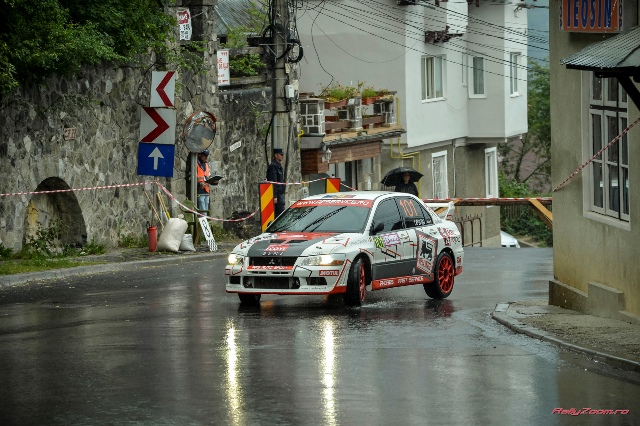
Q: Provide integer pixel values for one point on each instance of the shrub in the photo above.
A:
(5, 252)
(526, 222)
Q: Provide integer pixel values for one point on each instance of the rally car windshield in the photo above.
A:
(338, 219)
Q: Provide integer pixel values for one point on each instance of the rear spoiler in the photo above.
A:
(444, 210)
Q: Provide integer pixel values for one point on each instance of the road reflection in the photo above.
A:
(328, 378)
(234, 394)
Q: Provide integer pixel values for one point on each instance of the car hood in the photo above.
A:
(293, 243)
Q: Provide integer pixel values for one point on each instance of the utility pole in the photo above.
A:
(281, 118)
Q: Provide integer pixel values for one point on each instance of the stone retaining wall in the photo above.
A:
(103, 105)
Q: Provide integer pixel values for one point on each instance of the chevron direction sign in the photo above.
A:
(163, 87)
(155, 159)
(158, 125)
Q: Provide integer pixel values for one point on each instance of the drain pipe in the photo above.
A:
(403, 155)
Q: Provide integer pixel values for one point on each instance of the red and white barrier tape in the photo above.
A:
(128, 185)
(53, 191)
(576, 171)
(170, 195)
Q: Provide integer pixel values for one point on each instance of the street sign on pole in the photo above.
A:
(224, 76)
(155, 159)
(158, 125)
(163, 87)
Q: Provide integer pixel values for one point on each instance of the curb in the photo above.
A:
(12, 280)
(500, 315)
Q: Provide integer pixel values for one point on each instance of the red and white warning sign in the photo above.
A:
(224, 76)
(184, 20)
(158, 125)
(163, 88)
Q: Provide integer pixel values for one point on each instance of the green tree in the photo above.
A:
(58, 37)
(251, 64)
(538, 140)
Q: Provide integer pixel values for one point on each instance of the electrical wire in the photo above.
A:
(402, 31)
(497, 60)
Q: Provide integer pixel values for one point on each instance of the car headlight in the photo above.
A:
(324, 260)
(235, 259)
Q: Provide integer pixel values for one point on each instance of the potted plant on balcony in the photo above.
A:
(337, 95)
(369, 95)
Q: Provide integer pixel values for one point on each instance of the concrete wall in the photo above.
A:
(591, 252)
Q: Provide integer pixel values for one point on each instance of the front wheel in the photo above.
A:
(356, 284)
(444, 273)
(249, 299)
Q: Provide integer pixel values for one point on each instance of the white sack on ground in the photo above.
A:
(187, 243)
(171, 236)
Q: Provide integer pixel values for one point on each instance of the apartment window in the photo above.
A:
(477, 74)
(439, 168)
(609, 171)
(432, 77)
(491, 172)
(514, 60)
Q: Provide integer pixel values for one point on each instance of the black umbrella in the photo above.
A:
(394, 177)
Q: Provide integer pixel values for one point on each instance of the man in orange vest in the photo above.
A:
(203, 174)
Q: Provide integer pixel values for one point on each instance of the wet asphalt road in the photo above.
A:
(167, 346)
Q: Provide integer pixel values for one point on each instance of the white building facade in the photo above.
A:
(459, 72)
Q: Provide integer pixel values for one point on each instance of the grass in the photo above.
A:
(38, 255)
(22, 266)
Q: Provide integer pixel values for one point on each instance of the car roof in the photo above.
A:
(357, 195)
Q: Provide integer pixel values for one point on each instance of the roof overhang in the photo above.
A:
(618, 56)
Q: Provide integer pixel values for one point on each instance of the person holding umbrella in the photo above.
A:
(407, 186)
(403, 179)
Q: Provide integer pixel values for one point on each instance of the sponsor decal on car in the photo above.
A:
(400, 281)
(358, 241)
(333, 202)
(387, 240)
(391, 239)
(271, 268)
(427, 250)
(339, 196)
(277, 247)
(447, 235)
(328, 273)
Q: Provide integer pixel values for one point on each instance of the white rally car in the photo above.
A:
(348, 243)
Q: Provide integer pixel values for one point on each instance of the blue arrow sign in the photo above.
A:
(155, 159)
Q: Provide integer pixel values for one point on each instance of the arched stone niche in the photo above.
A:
(45, 209)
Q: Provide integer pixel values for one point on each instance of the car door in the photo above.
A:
(389, 258)
(422, 248)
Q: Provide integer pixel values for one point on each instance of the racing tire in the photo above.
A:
(356, 284)
(249, 299)
(444, 274)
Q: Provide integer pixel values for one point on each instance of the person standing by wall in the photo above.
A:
(203, 174)
(275, 173)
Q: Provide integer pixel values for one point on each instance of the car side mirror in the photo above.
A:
(377, 227)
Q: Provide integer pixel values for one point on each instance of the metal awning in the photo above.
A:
(618, 56)
(619, 53)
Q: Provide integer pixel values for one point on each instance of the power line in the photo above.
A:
(496, 60)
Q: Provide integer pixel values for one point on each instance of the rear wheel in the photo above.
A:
(356, 284)
(249, 299)
(442, 285)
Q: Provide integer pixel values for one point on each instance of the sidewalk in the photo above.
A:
(613, 342)
(119, 259)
